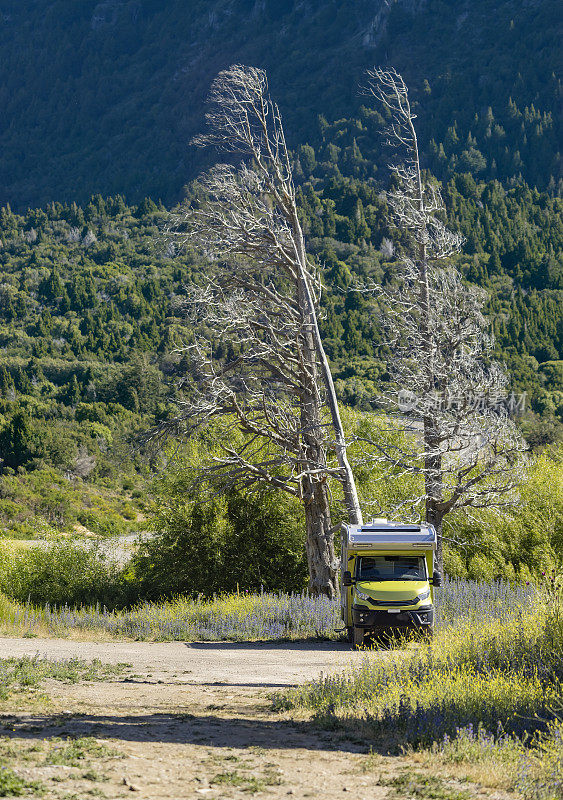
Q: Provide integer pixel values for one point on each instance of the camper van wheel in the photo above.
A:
(426, 634)
(350, 633)
(358, 636)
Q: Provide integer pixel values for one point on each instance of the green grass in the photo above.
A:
(476, 696)
(77, 752)
(11, 785)
(22, 674)
(246, 783)
(422, 787)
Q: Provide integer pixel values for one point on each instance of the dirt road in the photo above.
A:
(193, 721)
(264, 665)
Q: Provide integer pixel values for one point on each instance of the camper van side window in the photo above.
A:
(391, 568)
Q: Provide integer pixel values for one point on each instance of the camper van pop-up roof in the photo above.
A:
(380, 534)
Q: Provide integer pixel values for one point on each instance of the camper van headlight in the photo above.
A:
(423, 596)
(362, 595)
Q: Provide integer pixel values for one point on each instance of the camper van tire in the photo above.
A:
(358, 636)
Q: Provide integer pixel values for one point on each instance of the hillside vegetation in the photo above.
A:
(91, 311)
(105, 96)
(91, 295)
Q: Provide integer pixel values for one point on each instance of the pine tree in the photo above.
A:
(18, 442)
(22, 382)
(6, 382)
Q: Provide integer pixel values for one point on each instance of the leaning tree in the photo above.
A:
(260, 302)
(450, 396)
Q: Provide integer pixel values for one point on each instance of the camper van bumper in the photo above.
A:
(366, 618)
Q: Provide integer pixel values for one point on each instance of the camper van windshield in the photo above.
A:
(390, 568)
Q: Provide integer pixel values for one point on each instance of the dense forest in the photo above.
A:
(104, 97)
(100, 101)
(91, 307)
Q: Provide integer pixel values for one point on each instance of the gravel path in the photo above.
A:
(195, 720)
(237, 664)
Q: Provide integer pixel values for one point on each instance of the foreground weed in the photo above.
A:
(475, 755)
(74, 752)
(479, 747)
(92, 775)
(20, 674)
(541, 771)
(10, 748)
(11, 785)
(247, 783)
(371, 762)
(422, 787)
(505, 671)
(235, 779)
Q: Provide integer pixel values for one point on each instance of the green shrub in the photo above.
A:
(524, 540)
(61, 574)
(238, 541)
(104, 524)
(454, 565)
(481, 568)
(128, 512)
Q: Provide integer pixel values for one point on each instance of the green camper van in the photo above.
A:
(388, 577)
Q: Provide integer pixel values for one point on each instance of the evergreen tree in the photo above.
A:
(22, 382)
(6, 382)
(19, 443)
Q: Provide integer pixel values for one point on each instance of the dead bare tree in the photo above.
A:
(263, 300)
(451, 396)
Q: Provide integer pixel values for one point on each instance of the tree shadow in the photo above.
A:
(304, 645)
(204, 730)
(226, 684)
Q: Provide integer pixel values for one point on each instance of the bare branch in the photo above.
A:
(262, 301)
(448, 400)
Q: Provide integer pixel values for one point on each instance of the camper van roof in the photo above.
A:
(382, 534)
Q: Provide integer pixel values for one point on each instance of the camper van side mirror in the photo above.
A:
(437, 579)
(346, 578)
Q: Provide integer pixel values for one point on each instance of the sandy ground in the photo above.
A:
(195, 720)
(261, 665)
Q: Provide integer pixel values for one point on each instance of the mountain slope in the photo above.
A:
(105, 96)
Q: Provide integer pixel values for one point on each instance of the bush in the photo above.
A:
(103, 523)
(61, 574)
(524, 540)
(503, 674)
(239, 541)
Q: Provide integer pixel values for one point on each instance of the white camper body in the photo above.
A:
(387, 577)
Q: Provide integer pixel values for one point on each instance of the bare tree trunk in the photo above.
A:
(435, 517)
(434, 488)
(320, 539)
(314, 490)
(351, 498)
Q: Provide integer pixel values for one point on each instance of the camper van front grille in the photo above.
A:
(392, 603)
